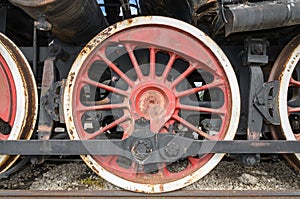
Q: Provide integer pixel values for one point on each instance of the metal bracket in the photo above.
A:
(256, 51)
(42, 24)
(255, 55)
(45, 124)
(266, 101)
(255, 119)
(51, 101)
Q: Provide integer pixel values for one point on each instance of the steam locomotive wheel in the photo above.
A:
(18, 100)
(151, 74)
(287, 70)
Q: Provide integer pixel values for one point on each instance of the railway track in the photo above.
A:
(125, 194)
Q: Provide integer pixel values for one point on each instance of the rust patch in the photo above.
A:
(161, 188)
(83, 52)
(44, 128)
(130, 21)
(90, 46)
(71, 133)
(72, 76)
(107, 31)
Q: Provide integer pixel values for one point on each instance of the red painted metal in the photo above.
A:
(8, 95)
(152, 97)
(153, 101)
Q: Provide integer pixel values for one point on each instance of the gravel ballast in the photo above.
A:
(228, 175)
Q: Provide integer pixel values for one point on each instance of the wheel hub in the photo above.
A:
(154, 102)
(141, 149)
(150, 104)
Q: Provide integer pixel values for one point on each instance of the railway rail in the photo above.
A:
(125, 194)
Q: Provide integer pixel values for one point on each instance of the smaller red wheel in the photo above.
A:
(286, 70)
(18, 99)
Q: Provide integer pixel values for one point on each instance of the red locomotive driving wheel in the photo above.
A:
(151, 74)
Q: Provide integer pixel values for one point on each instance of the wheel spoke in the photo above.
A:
(165, 172)
(134, 62)
(100, 107)
(293, 82)
(104, 86)
(168, 68)
(201, 88)
(106, 128)
(193, 161)
(152, 62)
(192, 127)
(126, 129)
(218, 111)
(293, 109)
(133, 170)
(183, 76)
(116, 69)
(3, 137)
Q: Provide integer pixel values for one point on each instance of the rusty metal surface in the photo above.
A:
(45, 124)
(73, 21)
(261, 15)
(125, 194)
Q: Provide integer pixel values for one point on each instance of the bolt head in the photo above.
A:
(172, 149)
